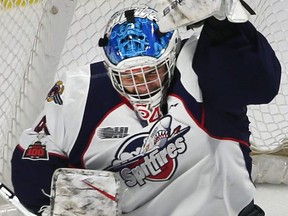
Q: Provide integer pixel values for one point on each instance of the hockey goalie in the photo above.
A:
(159, 127)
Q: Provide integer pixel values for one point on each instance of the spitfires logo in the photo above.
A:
(151, 156)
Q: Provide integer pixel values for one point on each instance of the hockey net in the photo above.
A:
(41, 38)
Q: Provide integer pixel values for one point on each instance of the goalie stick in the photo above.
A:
(7, 194)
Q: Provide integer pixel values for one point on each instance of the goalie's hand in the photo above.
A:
(178, 13)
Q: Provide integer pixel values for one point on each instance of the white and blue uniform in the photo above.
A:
(199, 164)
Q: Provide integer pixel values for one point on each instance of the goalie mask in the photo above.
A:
(140, 59)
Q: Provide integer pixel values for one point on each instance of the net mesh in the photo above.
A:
(269, 123)
(19, 25)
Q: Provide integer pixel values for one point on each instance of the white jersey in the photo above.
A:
(194, 161)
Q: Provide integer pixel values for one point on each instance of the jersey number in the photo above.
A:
(149, 115)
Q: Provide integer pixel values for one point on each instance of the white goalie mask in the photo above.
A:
(139, 58)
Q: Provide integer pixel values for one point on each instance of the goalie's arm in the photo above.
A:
(32, 179)
(40, 152)
(35, 159)
(45, 147)
(236, 65)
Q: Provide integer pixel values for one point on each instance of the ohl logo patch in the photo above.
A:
(151, 156)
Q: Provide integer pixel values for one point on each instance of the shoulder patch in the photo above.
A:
(55, 93)
(36, 151)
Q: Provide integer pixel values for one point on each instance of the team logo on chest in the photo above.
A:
(151, 156)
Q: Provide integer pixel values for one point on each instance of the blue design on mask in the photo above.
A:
(140, 38)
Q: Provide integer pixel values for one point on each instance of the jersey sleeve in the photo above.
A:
(235, 65)
(47, 144)
(34, 161)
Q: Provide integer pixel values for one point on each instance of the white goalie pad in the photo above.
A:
(174, 14)
(178, 13)
(84, 192)
(269, 168)
(234, 11)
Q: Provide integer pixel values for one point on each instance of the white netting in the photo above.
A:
(32, 37)
(18, 27)
(269, 123)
